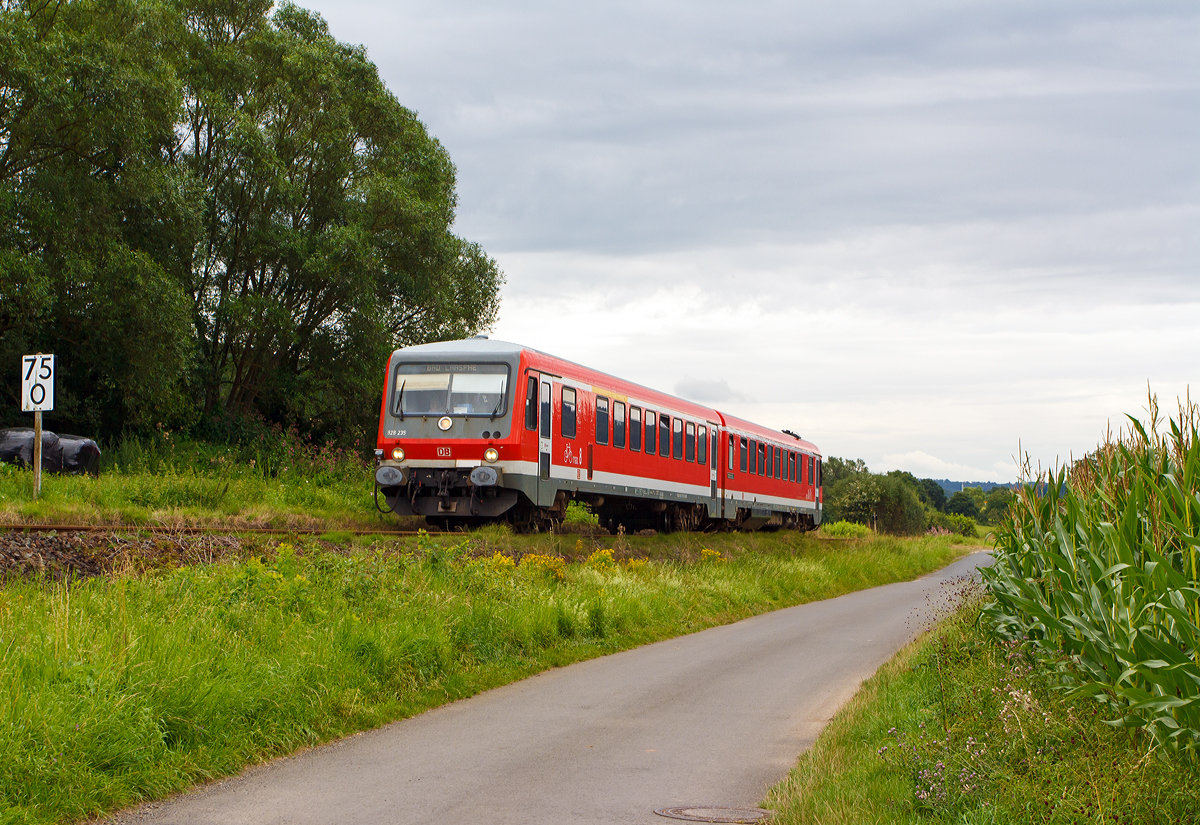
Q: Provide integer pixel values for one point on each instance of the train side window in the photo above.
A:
(778, 460)
(742, 454)
(791, 466)
(732, 451)
(763, 469)
(818, 472)
(811, 474)
(716, 451)
(568, 412)
(650, 432)
(800, 470)
(664, 435)
(619, 424)
(635, 428)
(531, 404)
(689, 441)
(545, 405)
(753, 458)
(601, 419)
(702, 443)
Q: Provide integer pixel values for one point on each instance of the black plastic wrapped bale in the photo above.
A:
(72, 454)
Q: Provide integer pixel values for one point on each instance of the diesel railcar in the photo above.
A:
(482, 430)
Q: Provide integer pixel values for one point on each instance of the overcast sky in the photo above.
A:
(925, 234)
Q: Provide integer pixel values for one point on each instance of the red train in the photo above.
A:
(480, 430)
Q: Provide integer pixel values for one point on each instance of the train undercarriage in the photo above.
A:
(450, 499)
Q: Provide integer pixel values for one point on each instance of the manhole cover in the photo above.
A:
(707, 813)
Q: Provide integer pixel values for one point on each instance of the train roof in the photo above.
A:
(750, 428)
(466, 346)
(481, 345)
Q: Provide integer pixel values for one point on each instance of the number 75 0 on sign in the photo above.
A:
(37, 383)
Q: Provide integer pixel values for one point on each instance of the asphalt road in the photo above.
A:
(714, 718)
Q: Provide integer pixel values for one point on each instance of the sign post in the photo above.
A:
(37, 395)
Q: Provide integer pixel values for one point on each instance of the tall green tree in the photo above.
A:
(327, 219)
(209, 208)
(932, 494)
(89, 207)
(835, 469)
(963, 503)
(996, 505)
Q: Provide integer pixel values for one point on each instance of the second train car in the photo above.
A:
(480, 430)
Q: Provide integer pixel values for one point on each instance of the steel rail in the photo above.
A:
(160, 528)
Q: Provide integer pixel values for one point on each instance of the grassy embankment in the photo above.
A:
(172, 482)
(1069, 690)
(124, 688)
(959, 728)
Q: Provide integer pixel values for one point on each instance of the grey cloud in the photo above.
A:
(642, 127)
(902, 208)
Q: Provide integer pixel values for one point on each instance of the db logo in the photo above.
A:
(443, 452)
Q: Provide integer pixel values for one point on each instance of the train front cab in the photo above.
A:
(448, 449)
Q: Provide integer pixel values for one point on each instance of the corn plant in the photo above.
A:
(1096, 568)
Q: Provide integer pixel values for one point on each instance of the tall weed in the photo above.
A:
(1096, 568)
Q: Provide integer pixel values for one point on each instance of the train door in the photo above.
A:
(545, 428)
(714, 466)
(729, 461)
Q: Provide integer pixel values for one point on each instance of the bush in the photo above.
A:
(959, 525)
(891, 503)
(996, 505)
(854, 498)
(845, 530)
(963, 503)
(899, 509)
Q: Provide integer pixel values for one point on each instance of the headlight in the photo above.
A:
(491, 455)
(397, 453)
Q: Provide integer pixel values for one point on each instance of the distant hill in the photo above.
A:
(952, 487)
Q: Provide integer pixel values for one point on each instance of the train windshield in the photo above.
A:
(451, 389)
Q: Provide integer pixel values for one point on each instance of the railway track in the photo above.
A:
(154, 528)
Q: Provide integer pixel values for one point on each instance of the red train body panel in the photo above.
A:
(477, 429)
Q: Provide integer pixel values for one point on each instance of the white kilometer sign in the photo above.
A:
(37, 383)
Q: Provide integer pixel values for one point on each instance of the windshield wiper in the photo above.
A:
(496, 412)
(400, 399)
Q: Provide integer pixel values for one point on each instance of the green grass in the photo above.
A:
(194, 488)
(128, 688)
(960, 728)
